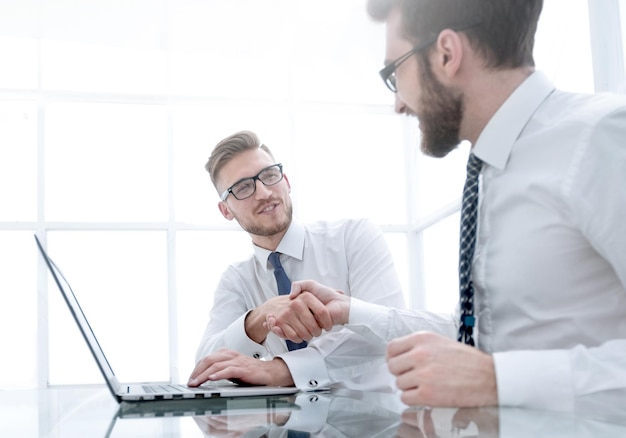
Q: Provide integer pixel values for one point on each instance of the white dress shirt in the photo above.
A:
(349, 255)
(550, 261)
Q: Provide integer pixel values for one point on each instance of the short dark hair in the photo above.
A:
(230, 147)
(505, 35)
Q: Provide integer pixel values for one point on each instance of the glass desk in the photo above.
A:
(62, 412)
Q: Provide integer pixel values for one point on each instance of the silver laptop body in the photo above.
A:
(147, 391)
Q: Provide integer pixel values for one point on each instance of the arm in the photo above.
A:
(595, 195)
(232, 302)
(372, 281)
(358, 260)
(378, 323)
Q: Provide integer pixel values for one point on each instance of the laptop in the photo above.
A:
(148, 391)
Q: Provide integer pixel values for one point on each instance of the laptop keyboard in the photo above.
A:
(166, 388)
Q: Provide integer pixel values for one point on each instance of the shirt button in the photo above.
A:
(256, 355)
(312, 383)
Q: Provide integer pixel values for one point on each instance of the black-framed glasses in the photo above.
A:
(244, 188)
(388, 73)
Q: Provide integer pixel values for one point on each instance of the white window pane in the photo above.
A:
(216, 50)
(88, 67)
(397, 246)
(439, 180)
(106, 163)
(136, 23)
(18, 312)
(120, 280)
(103, 46)
(622, 10)
(350, 165)
(18, 161)
(201, 258)
(230, 76)
(19, 62)
(441, 261)
(196, 131)
(562, 45)
(337, 53)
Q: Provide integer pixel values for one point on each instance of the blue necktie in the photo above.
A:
(469, 212)
(284, 287)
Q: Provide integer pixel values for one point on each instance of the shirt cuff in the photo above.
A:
(235, 338)
(307, 369)
(535, 379)
(363, 313)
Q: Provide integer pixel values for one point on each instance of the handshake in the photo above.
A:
(312, 308)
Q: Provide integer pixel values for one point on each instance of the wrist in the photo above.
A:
(342, 316)
(279, 372)
(254, 328)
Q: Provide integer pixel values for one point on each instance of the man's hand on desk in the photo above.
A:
(229, 364)
(432, 370)
(314, 307)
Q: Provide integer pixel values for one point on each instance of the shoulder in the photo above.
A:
(342, 226)
(242, 269)
(583, 110)
(351, 233)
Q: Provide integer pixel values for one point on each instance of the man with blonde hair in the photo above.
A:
(350, 254)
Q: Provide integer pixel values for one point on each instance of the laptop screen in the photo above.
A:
(81, 320)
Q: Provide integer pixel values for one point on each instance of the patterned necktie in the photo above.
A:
(284, 287)
(469, 210)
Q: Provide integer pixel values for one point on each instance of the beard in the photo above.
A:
(269, 230)
(441, 114)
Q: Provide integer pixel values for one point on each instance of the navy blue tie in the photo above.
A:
(284, 287)
(469, 213)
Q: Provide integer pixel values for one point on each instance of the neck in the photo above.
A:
(485, 96)
(269, 243)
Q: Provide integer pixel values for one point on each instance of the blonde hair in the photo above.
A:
(230, 147)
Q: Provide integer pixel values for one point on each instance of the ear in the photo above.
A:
(225, 210)
(447, 58)
(288, 183)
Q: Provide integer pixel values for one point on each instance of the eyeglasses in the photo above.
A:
(244, 188)
(388, 73)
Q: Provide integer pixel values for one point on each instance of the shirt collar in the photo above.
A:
(292, 244)
(496, 141)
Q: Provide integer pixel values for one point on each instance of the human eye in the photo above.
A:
(243, 188)
(270, 175)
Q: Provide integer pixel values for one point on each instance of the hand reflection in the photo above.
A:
(448, 422)
(232, 426)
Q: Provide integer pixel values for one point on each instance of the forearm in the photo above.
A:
(232, 336)
(382, 324)
(559, 379)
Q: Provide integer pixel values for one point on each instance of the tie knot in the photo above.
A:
(274, 259)
(474, 165)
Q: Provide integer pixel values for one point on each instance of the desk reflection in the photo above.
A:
(69, 412)
(360, 415)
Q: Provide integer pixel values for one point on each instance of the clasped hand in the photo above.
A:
(313, 308)
(430, 369)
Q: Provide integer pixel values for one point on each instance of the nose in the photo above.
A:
(398, 105)
(262, 191)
